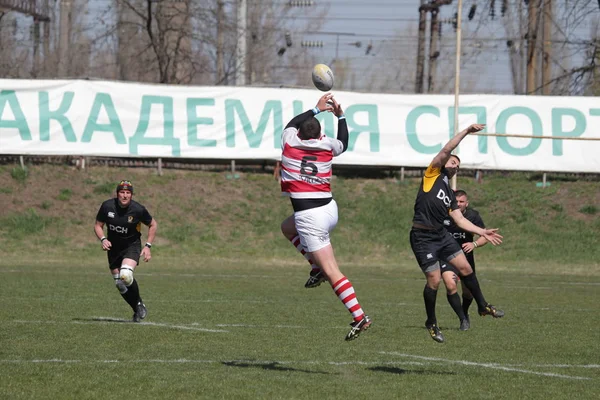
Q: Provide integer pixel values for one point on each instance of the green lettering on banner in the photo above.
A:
(536, 123)
(372, 126)
(557, 129)
(411, 129)
(481, 118)
(103, 101)
(20, 122)
(168, 139)
(58, 115)
(233, 107)
(194, 120)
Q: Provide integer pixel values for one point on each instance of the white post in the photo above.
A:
(240, 71)
(544, 180)
(232, 167)
(159, 165)
(457, 76)
(401, 174)
(22, 161)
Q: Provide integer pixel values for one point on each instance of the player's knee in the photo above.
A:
(120, 284)
(126, 275)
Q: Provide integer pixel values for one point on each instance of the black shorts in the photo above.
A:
(447, 267)
(432, 247)
(116, 255)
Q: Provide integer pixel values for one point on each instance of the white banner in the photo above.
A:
(99, 118)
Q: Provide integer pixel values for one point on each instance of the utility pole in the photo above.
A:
(532, 29)
(421, 48)
(433, 7)
(546, 65)
(240, 70)
(46, 43)
(220, 40)
(36, 47)
(433, 49)
(65, 38)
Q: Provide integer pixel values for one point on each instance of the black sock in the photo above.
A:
(466, 303)
(472, 284)
(454, 300)
(132, 296)
(429, 295)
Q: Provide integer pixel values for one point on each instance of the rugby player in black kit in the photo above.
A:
(123, 217)
(468, 243)
(430, 241)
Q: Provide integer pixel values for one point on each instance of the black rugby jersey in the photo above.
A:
(435, 200)
(464, 236)
(123, 224)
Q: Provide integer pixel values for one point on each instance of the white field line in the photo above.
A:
(96, 320)
(486, 365)
(428, 360)
(187, 361)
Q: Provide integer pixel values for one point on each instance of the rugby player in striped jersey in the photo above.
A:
(306, 171)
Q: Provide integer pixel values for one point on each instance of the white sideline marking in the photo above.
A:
(186, 361)
(108, 319)
(183, 327)
(487, 365)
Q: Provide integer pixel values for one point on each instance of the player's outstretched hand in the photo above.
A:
(475, 128)
(324, 103)
(468, 247)
(337, 107)
(492, 236)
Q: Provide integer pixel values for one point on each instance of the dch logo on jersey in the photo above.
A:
(443, 197)
(118, 229)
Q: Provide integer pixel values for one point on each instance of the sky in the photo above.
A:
(391, 26)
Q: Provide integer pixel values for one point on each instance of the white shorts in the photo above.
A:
(314, 225)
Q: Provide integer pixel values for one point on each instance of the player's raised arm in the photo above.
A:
(322, 105)
(342, 134)
(442, 157)
(491, 235)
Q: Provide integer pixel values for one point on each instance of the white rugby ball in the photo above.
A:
(322, 77)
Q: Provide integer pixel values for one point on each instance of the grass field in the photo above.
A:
(237, 330)
(229, 316)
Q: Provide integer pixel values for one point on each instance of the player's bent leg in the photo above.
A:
(132, 296)
(288, 228)
(470, 280)
(343, 288)
(120, 285)
(467, 300)
(449, 278)
(434, 277)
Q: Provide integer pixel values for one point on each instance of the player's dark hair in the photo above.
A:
(310, 129)
(460, 193)
(455, 156)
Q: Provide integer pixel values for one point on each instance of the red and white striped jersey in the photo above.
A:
(306, 165)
